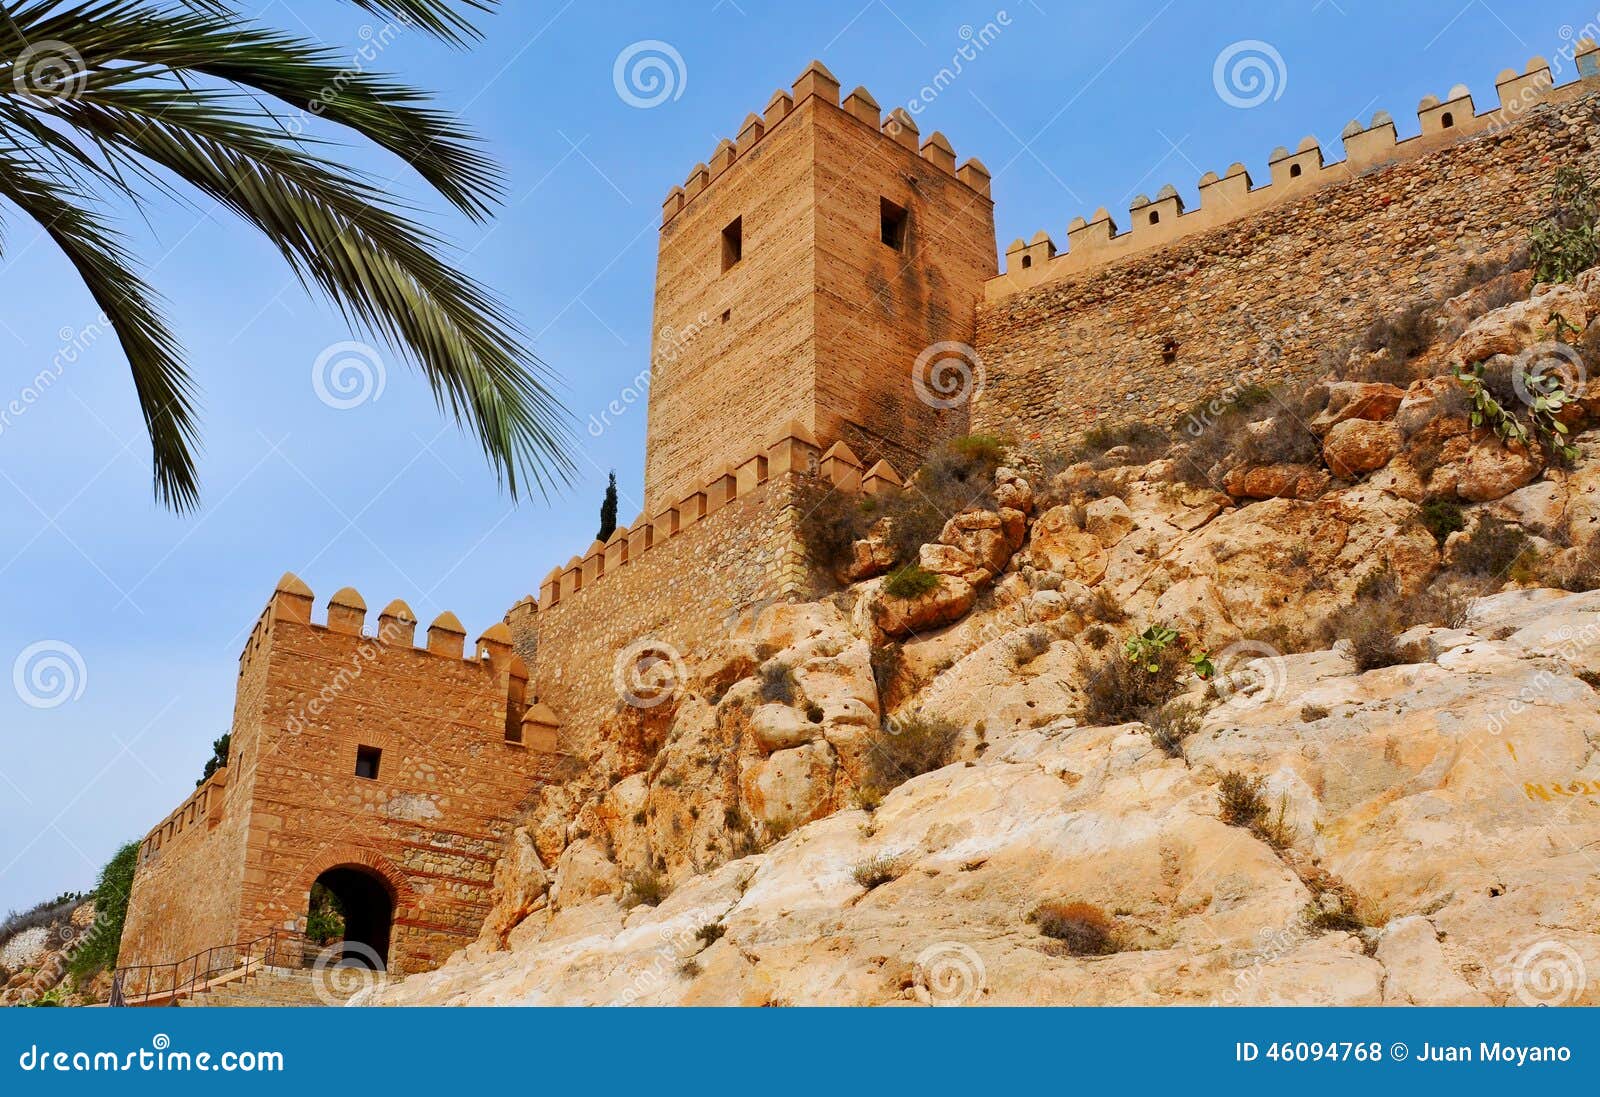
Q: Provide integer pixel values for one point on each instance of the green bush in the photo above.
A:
(98, 949)
(1442, 518)
(1564, 244)
(325, 919)
(910, 581)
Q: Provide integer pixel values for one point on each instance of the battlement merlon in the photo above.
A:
(816, 82)
(292, 601)
(1096, 241)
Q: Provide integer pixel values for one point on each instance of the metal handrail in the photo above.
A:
(144, 982)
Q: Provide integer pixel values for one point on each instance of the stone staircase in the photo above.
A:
(285, 987)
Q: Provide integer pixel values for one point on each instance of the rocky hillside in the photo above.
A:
(36, 948)
(1291, 711)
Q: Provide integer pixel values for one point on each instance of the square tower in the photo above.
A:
(802, 274)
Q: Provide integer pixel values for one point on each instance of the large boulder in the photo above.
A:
(1370, 400)
(1355, 446)
(1276, 482)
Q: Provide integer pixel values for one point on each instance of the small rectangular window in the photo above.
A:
(732, 243)
(892, 220)
(367, 762)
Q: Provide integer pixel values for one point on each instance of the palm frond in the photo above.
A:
(166, 393)
(170, 98)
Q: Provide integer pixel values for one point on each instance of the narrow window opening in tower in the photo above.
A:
(892, 224)
(1294, 171)
(1169, 352)
(732, 243)
(1027, 261)
(367, 762)
(1155, 217)
(1447, 120)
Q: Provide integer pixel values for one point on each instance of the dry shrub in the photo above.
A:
(1240, 801)
(1173, 723)
(1104, 607)
(878, 870)
(645, 888)
(910, 746)
(1492, 548)
(778, 684)
(1144, 442)
(1083, 928)
(1120, 689)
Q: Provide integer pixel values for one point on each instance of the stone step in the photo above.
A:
(278, 988)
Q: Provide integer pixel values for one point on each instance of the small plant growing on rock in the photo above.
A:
(1442, 518)
(1097, 636)
(1132, 683)
(1240, 801)
(710, 933)
(645, 888)
(910, 581)
(1565, 242)
(1027, 647)
(910, 746)
(1492, 548)
(1104, 607)
(1173, 723)
(1310, 713)
(1083, 928)
(778, 684)
(690, 968)
(878, 870)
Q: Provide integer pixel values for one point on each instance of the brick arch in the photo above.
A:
(360, 856)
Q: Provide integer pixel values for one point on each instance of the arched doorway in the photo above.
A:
(353, 906)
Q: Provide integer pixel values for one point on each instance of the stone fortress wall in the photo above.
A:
(1257, 284)
(459, 747)
(788, 371)
(801, 272)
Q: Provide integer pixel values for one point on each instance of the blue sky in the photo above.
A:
(1071, 105)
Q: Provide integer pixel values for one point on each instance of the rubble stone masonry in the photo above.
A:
(1259, 300)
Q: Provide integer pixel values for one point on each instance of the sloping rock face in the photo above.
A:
(1425, 833)
(1456, 802)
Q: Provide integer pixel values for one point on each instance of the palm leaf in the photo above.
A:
(179, 96)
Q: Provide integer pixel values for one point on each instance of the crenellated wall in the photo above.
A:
(460, 746)
(673, 583)
(1260, 298)
(813, 317)
(1097, 242)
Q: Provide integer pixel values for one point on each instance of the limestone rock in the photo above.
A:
(1491, 470)
(945, 603)
(1355, 446)
(1370, 400)
(1276, 482)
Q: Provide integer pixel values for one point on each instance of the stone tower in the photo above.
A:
(802, 274)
